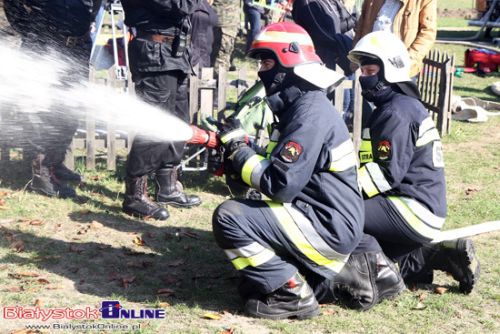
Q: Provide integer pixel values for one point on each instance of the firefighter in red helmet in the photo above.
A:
(306, 243)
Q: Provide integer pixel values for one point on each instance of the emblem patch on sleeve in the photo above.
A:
(384, 149)
(291, 151)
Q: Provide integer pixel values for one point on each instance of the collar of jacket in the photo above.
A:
(283, 99)
(382, 96)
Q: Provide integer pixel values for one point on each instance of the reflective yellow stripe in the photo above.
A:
(342, 157)
(366, 182)
(231, 135)
(415, 223)
(378, 177)
(248, 167)
(270, 147)
(254, 261)
(365, 151)
(299, 240)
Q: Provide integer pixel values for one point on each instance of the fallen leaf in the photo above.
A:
(36, 222)
(138, 241)
(170, 279)
(95, 225)
(43, 281)
(15, 288)
(18, 246)
(176, 263)
(329, 311)
(75, 249)
(165, 292)
(422, 297)
(440, 290)
(127, 280)
(38, 303)
(229, 330)
(4, 193)
(212, 316)
(2, 202)
(163, 305)
(419, 306)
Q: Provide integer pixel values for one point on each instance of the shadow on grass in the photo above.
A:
(185, 260)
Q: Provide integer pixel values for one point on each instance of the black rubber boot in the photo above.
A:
(458, 258)
(355, 285)
(45, 182)
(64, 173)
(137, 202)
(389, 281)
(295, 299)
(167, 191)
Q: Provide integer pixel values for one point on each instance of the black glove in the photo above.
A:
(232, 136)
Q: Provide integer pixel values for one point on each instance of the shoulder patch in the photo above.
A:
(291, 151)
(384, 149)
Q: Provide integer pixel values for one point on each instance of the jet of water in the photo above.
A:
(31, 84)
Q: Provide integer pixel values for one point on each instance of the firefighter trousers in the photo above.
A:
(398, 241)
(267, 245)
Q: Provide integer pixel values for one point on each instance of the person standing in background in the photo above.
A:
(228, 12)
(253, 14)
(159, 64)
(204, 20)
(413, 21)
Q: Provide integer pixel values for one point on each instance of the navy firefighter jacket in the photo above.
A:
(408, 165)
(310, 163)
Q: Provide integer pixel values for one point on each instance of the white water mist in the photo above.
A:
(33, 84)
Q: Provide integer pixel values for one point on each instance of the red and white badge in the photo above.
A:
(291, 151)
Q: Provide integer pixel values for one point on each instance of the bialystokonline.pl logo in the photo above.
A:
(110, 309)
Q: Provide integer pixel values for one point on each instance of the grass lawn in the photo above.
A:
(58, 253)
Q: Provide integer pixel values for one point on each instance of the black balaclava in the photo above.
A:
(373, 85)
(274, 78)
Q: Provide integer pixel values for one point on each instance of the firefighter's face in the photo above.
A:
(369, 69)
(266, 64)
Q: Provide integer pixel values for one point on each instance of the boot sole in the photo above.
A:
(469, 261)
(177, 205)
(138, 215)
(307, 313)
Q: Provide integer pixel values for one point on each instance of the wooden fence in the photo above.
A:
(209, 96)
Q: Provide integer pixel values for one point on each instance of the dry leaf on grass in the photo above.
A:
(95, 225)
(36, 222)
(165, 292)
(329, 311)
(177, 263)
(163, 305)
(15, 288)
(43, 281)
(2, 202)
(440, 290)
(38, 303)
(212, 316)
(75, 249)
(138, 241)
(423, 296)
(127, 280)
(18, 246)
(229, 330)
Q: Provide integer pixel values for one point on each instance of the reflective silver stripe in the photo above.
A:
(427, 132)
(423, 213)
(246, 251)
(312, 235)
(233, 134)
(378, 177)
(343, 157)
(366, 133)
(258, 171)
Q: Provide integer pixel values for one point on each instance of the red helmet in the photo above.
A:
(291, 44)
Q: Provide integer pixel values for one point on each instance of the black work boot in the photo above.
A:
(458, 258)
(295, 299)
(389, 281)
(137, 202)
(46, 183)
(355, 285)
(167, 191)
(64, 173)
